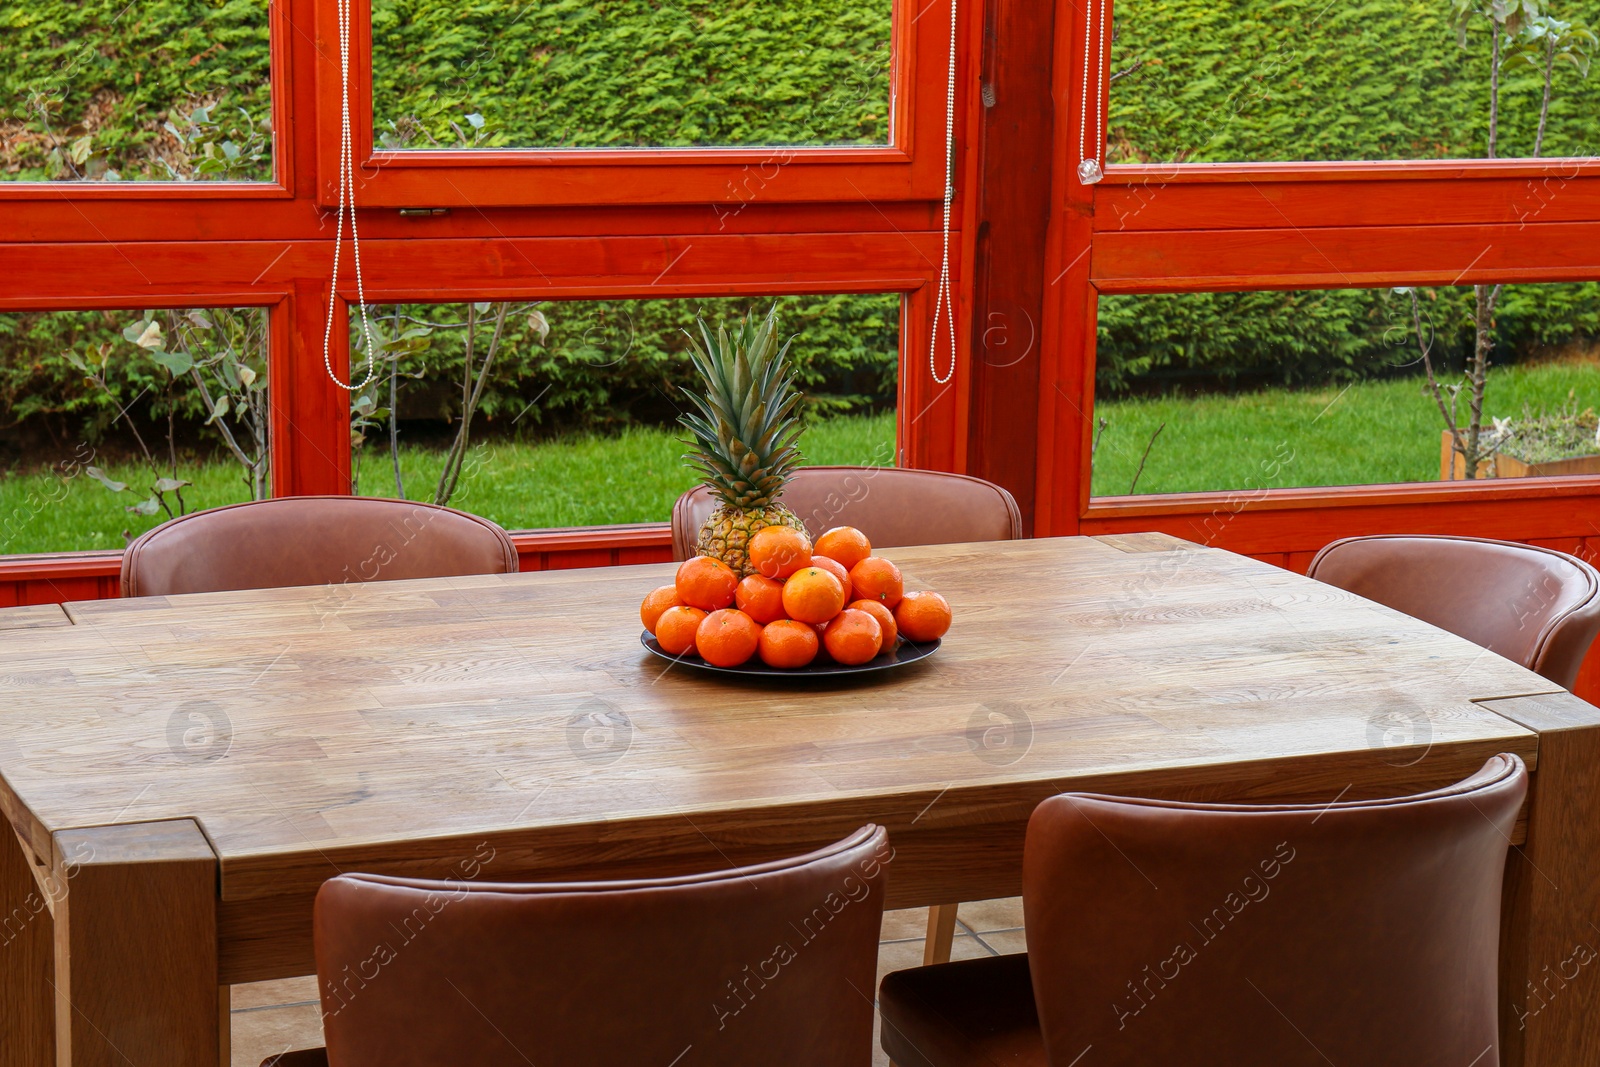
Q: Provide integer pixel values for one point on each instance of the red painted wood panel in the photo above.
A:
(1170, 199)
(1007, 247)
(1344, 257)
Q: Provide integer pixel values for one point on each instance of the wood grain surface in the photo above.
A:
(412, 726)
(33, 617)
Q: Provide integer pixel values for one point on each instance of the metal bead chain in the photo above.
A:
(942, 301)
(347, 187)
(1089, 169)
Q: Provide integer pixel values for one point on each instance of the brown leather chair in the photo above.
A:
(1224, 935)
(1536, 606)
(312, 540)
(893, 506)
(771, 964)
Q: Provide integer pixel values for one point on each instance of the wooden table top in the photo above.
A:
(340, 726)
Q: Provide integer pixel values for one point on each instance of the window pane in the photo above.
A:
(577, 419)
(119, 420)
(1247, 391)
(108, 90)
(630, 73)
(1243, 80)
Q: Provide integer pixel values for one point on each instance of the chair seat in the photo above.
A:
(977, 1012)
(306, 1057)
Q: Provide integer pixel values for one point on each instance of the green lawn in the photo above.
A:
(1367, 433)
(633, 477)
(1364, 433)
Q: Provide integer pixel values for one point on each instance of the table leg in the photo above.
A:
(1550, 941)
(27, 1009)
(136, 947)
(941, 934)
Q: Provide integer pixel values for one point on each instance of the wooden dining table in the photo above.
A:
(182, 773)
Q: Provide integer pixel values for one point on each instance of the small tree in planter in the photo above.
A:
(1518, 30)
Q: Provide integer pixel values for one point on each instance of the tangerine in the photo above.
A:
(760, 597)
(676, 627)
(885, 617)
(787, 643)
(706, 583)
(657, 601)
(838, 570)
(922, 616)
(779, 551)
(813, 595)
(846, 544)
(875, 578)
(853, 637)
(727, 638)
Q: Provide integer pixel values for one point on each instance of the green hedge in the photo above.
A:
(619, 73)
(1240, 79)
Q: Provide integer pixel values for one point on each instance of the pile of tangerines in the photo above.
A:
(833, 599)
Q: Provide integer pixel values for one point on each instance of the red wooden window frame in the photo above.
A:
(909, 167)
(853, 220)
(1211, 227)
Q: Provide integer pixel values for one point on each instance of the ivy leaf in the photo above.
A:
(150, 337)
(145, 507)
(177, 363)
(539, 324)
(167, 485)
(247, 375)
(219, 410)
(100, 476)
(476, 120)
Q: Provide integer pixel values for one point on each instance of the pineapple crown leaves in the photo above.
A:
(744, 430)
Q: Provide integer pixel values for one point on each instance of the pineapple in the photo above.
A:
(743, 435)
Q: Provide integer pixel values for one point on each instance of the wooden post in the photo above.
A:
(1550, 944)
(27, 1010)
(136, 946)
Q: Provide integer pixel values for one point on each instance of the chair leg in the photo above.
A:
(941, 932)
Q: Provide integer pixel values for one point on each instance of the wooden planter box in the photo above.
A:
(1453, 466)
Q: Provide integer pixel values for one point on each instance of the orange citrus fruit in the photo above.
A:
(657, 601)
(676, 627)
(853, 637)
(885, 617)
(787, 643)
(922, 616)
(838, 570)
(727, 638)
(779, 551)
(706, 583)
(875, 578)
(846, 544)
(813, 595)
(760, 597)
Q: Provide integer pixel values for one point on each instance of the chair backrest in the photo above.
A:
(1535, 606)
(312, 540)
(1214, 935)
(893, 506)
(772, 964)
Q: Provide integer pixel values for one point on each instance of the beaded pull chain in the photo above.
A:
(1089, 169)
(942, 306)
(347, 193)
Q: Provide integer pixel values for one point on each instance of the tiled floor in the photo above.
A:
(272, 1017)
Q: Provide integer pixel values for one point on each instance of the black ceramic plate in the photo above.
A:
(908, 652)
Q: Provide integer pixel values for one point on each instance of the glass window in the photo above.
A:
(108, 90)
(630, 73)
(1260, 390)
(1246, 80)
(115, 421)
(574, 421)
